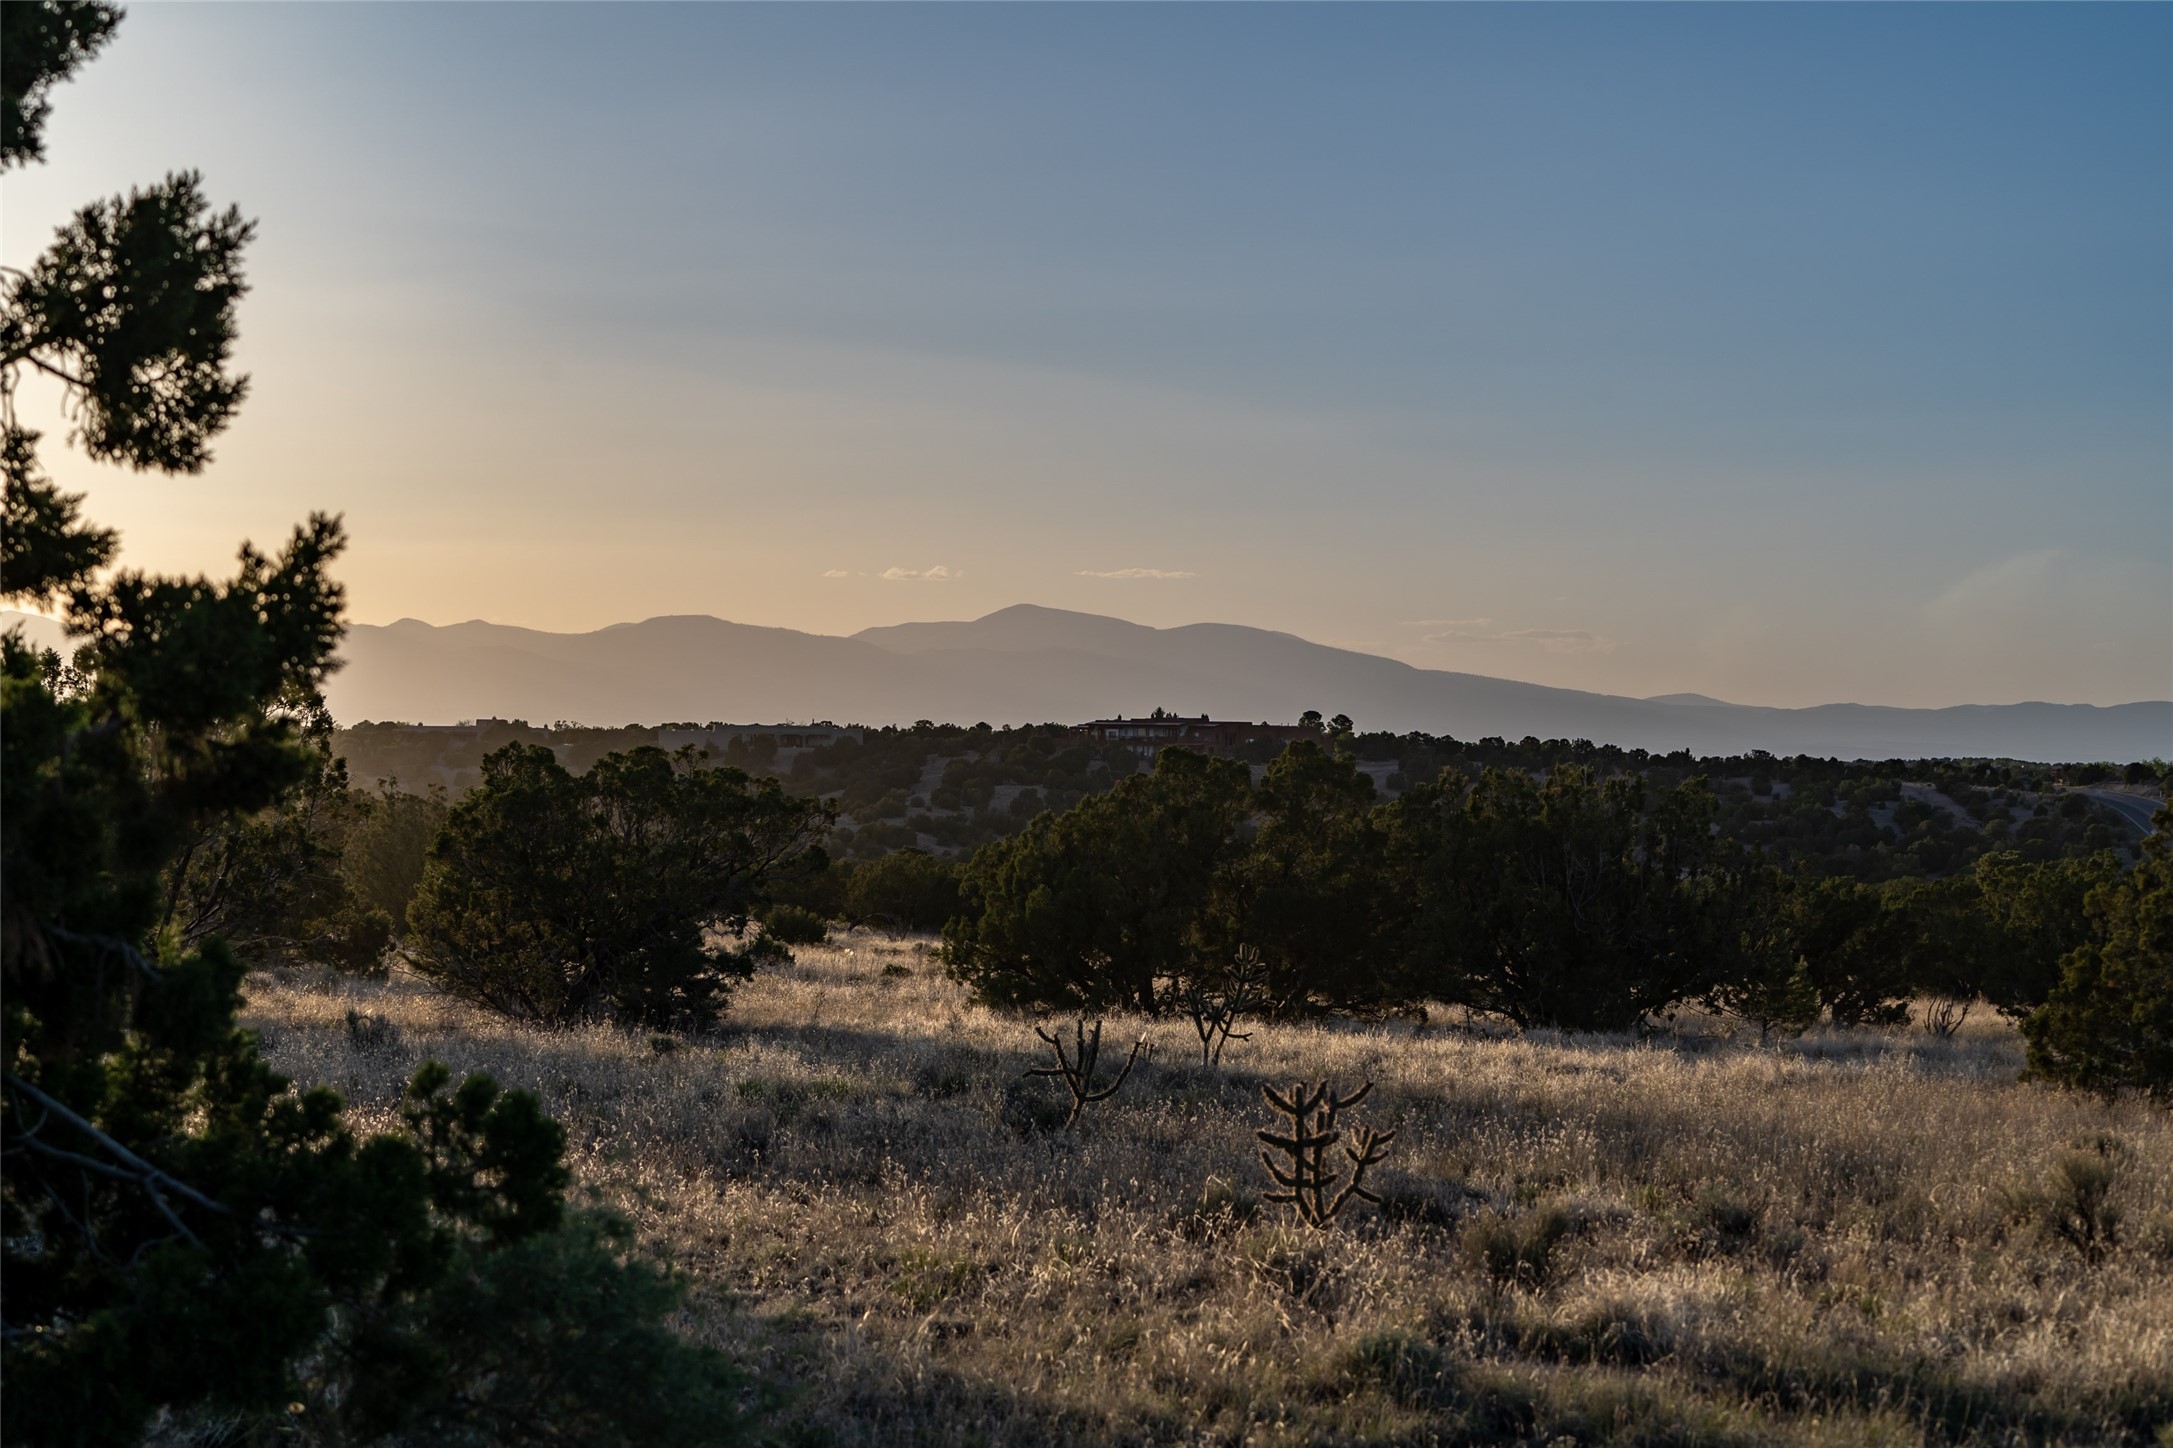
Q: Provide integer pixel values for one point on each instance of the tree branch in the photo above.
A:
(142, 1171)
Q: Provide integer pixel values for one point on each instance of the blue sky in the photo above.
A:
(1782, 353)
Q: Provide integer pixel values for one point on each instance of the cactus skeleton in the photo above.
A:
(1309, 1185)
(1215, 1006)
(1077, 1072)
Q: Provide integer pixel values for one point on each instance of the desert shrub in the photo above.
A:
(2108, 1025)
(1088, 908)
(1029, 1111)
(792, 925)
(1516, 1251)
(2078, 1207)
(370, 1032)
(560, 898)
(1407, 1367)
(906, 890)
(1764, 978)
(1612, 1331)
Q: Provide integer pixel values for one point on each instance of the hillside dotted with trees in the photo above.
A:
(198, 1248)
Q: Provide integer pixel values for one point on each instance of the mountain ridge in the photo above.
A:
(1030, 664)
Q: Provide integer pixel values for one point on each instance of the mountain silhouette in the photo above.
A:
(1028, 664)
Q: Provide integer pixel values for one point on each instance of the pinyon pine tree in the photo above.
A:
(187, 1239)
(2108, 1024)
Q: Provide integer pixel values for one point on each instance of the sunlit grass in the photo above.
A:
(1832, 1240)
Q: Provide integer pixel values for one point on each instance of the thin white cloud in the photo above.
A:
(937, 574)
(1553, 640)
(835, 573)
(1136, 573)
(2021, 584)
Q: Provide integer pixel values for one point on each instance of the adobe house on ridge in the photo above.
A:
(1209, 736)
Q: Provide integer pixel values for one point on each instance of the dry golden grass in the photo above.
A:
(1836, 1240)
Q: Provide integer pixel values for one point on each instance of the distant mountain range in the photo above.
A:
(1032, 665)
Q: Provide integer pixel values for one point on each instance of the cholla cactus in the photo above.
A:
(1077, 1071)
(1215, 1005)
(1309, 1185)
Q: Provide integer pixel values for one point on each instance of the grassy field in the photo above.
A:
(1851, 1238)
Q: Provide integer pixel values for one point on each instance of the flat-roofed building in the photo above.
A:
(1209, 736)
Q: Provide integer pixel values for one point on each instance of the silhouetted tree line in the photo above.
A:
(949, 789)
(1583, 900)
(1580, 897)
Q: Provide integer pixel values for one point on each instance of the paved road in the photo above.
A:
(2134, 808)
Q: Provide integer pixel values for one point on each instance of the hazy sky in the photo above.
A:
(1787, 354)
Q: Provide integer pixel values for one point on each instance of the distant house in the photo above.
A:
(1208, 736)
(471, 727)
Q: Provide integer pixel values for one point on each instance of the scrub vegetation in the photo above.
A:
(1859, 1235)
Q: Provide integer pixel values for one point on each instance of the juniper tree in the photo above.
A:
(184, 1234)
(605, 896)
(2108, 1024)
(1089, 907)
(1568, 902)
(1308, 893)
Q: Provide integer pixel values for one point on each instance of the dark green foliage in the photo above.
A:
(2108, 1024)
(563, 898)
(1307, 895)
(1091, 907)
(1566, 903)
(2039, 915)
(41, 45)
(132, 309)
(47, 548)
(272, 884)
(555, 1338)
(1765, 979)
(1998, 932)
(1947, 946)
(904, 890)
(386, 850)
(109, 781)
(792, 925)
(183, 1233)
(1578, 900)
(1850, 941)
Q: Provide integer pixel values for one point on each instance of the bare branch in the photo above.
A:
(142, 1171)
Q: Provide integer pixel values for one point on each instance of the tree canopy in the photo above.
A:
(559, 897)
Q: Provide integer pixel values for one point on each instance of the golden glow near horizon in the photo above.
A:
(826, 340)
